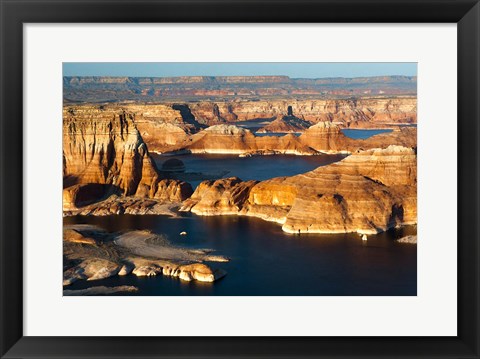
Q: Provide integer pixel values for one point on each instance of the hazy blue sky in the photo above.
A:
(305, 70)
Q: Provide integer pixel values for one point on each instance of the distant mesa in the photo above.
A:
(217, 88)
(173, 165)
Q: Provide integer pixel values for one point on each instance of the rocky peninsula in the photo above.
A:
(91, 253)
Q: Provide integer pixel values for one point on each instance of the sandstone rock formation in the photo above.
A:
(90, 253)
(105, 148)
(172, 126)
(410, 239)
(162, 137)
(367, 192)
(323, 137)
(374, 112)
(328, 137)
(286, 124)
(233, 139)
(219, 197)
(116, 204)
(104, 154)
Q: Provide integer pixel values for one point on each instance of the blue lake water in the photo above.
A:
(266, 261)
(254, 125)
(361, 134)
(250, 168)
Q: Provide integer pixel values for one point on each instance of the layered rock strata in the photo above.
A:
(236, 140)
(355, 113)
(374, 112)
(104, 154)
(151, 89)
(323, 137)
(173, 127)
(367, 192)
(328, 137)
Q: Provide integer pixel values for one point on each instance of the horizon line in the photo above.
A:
(295, 78)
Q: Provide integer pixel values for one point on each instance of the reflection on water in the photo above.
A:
(267, 261)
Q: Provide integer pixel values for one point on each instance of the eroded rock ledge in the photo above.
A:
(367, 192)
(90, 253)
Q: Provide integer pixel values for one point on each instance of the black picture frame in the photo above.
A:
(14, 13)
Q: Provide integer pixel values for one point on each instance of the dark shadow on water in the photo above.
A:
(250, 168)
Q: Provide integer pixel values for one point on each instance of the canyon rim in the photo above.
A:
(218, 182)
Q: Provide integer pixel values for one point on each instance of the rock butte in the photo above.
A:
(236, 140)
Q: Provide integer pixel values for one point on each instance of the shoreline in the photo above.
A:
(280, 221)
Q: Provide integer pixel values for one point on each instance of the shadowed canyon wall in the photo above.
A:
(105, 148)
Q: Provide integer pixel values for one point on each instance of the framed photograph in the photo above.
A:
(274, 179)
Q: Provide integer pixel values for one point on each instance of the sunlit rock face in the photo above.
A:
(325, 137)
(354, 113)
(400, 136)
(367, 192)
(163, 137)
(219, 197)
(164, 127)
(103, 153)
(207, 126)
(237, 140)
(328, 137)
(106, 148)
